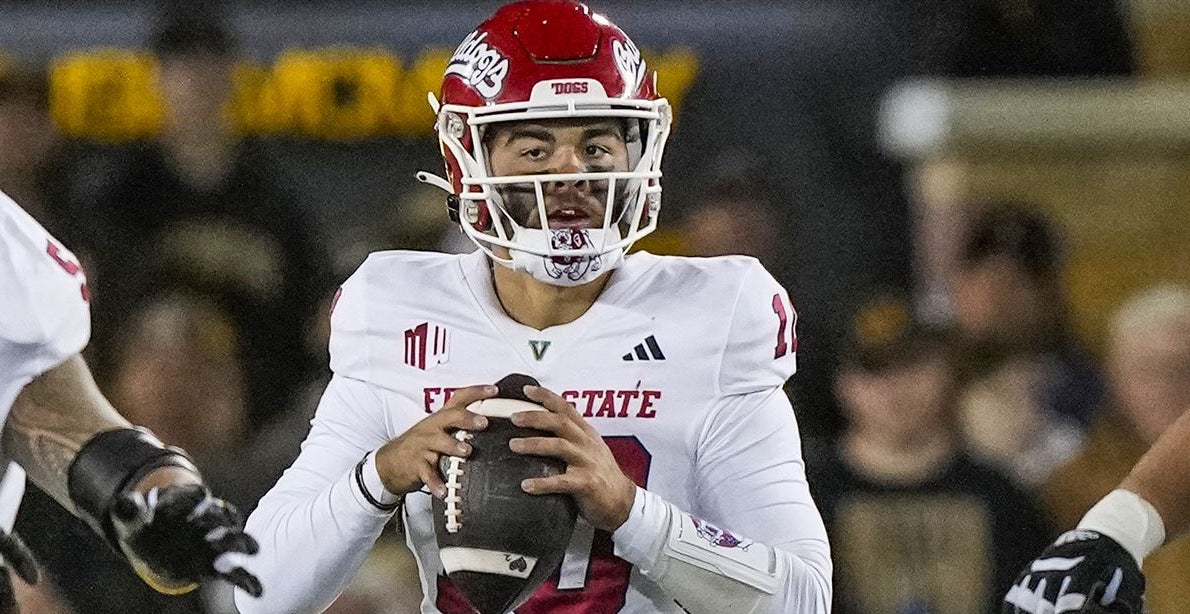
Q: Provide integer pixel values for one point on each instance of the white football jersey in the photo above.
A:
(44, 314)
(659, 365)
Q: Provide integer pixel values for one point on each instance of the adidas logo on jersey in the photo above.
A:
(649, 350)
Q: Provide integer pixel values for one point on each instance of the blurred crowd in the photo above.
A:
(967, 434)
(969, 441)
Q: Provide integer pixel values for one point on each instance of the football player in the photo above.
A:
(662, 375)
(146, 499)
(1096, 567)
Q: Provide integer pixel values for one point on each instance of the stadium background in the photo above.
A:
(868, 127)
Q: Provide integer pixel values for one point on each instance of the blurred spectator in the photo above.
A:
(200, 207)
(1148, 366)
(26, 135)
(732, 216)
(29, 147)
(915, 525)
(1030, 385)
(177, 373)
(245, 477)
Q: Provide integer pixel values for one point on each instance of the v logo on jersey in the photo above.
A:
(539, 348)
(649, 350)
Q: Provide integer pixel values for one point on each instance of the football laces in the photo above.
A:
(454, 473)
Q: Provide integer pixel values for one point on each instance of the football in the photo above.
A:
(497, 542)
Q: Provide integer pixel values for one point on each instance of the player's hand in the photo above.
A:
(603, 493)
(1083, 571)
(178, 536)
(411, 460)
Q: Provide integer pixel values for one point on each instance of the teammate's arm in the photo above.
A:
(50, 421)
(1100, 560)
(1162, 477)
(148, 500)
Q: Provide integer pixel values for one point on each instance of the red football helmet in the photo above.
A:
(540, 60)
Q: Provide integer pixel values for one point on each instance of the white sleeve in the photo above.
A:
(44, 314)
(315, 526)
(761, 347)
(751, 482)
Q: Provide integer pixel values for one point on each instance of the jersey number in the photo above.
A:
(786, 336)
(72, 268)
(593, 583)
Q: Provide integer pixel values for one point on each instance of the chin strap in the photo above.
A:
(436, 181)
(452, 200)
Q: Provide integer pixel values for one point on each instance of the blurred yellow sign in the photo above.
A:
(108, 95)
(339, 94)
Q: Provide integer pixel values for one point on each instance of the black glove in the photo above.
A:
(177, 536)
(1083, 571)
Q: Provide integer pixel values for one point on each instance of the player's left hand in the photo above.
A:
(177, 536)
(1083, 571)
(603, 493)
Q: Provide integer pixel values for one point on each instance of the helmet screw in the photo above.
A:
(471, 213)
(455, 125)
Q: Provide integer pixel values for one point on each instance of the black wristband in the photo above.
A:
(363, 488)
(108, 464)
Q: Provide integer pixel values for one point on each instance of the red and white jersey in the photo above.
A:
(44, 316)
(679, 364)
(44, 313)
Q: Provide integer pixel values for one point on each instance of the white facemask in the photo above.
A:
(566, 271)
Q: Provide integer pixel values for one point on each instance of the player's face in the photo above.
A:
(997, 301)
(553, 147)
(1150, 376)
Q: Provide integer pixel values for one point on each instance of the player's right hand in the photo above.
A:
(1083, 571)
(410, 461)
